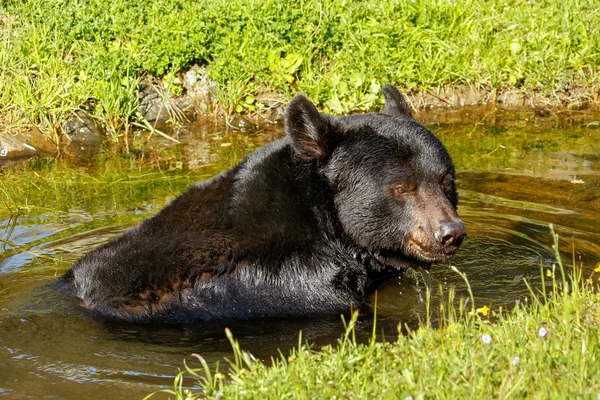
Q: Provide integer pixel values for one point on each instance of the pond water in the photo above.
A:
(517, 173)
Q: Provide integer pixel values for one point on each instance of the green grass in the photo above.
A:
(547, 349)
(58, 56)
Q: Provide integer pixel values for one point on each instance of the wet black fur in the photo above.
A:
(295, 229)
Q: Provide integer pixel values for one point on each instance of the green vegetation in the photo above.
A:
(59, 56)
(548, 349)
(59, 187)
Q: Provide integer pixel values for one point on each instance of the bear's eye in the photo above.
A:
(399, 190)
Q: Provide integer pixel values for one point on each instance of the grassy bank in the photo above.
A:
(547, 349)
(59, 56)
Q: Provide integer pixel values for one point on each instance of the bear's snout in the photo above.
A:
(451, 235)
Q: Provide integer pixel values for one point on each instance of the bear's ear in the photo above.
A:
(307, 128)
(395, 105)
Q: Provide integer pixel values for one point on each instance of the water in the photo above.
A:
(517, 173)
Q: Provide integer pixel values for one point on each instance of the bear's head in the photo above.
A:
(391, 179)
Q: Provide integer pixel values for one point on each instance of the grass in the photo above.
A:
(547, 349)
(59, 56)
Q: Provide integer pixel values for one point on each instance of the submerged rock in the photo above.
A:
(37, 139)
(13, 151)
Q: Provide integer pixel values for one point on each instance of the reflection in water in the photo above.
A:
(516, 176)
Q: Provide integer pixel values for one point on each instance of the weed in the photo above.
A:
(59, 56)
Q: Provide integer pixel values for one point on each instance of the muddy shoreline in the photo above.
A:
(80, 137)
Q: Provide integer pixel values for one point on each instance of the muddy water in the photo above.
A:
(517, 173)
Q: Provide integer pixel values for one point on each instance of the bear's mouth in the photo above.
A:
(400, 261)
(431, 256)
(414, 257)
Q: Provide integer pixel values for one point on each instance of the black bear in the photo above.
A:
(295, 229)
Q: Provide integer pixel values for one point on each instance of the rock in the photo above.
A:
(84, 137)
(512, 98)
(13, 151)
(152, 107)
(35, 138)
(239, 123)
(541, 111)
(82, 128)
(185, 105)
(200, 89)
(272, 106)
(270, 99)
(274, 115)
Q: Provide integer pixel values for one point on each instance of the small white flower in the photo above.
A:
(487, 339)
(515, 360)
(543, 332)
(408, 398)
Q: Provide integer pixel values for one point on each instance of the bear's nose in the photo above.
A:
(451, 233)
